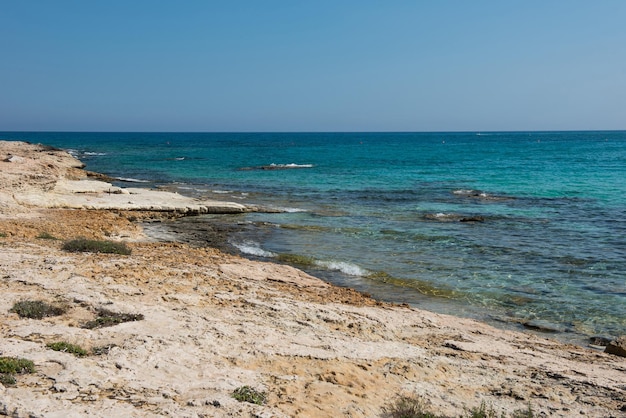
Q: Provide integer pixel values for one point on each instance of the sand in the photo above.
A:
(214, 322)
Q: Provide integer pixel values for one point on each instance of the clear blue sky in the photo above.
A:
(265, 65)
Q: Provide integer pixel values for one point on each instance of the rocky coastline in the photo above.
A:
(208, 323)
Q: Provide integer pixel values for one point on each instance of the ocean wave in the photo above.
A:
(253, 248)
(95, 154)
(274, 166)
(453, 217)
(479, 194)
(343, 267)
(291, 210)
(131, 180)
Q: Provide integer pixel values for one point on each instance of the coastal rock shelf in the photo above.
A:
(45, 177)
(208, 323)
(98, 195)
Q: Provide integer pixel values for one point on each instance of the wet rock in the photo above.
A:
(599, 341)
(617, 347)
(472, 219)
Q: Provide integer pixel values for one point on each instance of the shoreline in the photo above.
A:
(214, 322)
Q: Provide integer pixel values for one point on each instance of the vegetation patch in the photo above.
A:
(94, 246)
(3, 235)
(418, 407)
(66, 347)
(7, 379)
(37, 309)
(250, 395)
(45, 235)
(108, 318)
(10, 366)
(297, 259)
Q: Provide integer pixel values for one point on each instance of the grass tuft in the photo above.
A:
(37, 309)
(417, 407)
(108, 318)
(408, 407)
(250, 395)
(66, 347)
(95, 246)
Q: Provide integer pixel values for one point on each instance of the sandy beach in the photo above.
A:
(214, 322)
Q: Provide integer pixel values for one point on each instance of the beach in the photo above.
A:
(214, 322)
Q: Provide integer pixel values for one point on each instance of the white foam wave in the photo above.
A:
(253, 248)
(292, 210)
(292, 165)
(346, 268)
(221, 191)
(94, 153)
(131, 180)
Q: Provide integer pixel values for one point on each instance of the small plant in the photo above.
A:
(45, 235)
(523, 413)
(7, 379)
(483, 412)
(37, 309)
(107, 318)
(408, 407)
(66, 347)
(95, 246)
(3, 235)
(250, 395)
(10, 366)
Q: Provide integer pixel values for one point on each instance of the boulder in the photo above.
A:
(617, 347)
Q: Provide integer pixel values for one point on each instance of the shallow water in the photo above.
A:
(513, 227)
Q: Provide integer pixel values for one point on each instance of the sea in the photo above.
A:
(523, 230)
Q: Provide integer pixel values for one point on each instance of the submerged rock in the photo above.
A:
(472, 219)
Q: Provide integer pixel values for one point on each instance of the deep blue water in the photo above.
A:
(511, 227)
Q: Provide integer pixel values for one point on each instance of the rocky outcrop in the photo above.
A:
(44, 177)
(617, 347)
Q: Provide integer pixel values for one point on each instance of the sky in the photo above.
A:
(313, 66)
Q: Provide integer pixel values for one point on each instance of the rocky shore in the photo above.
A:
(207, 323)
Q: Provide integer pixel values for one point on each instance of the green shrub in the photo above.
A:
(107, 318)
(10, 366)
(95, 246)
(14, 365)
(67, 348)
(3, 235)
(250, 395)
(37, 309)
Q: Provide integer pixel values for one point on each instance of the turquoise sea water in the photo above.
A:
(525, 227)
